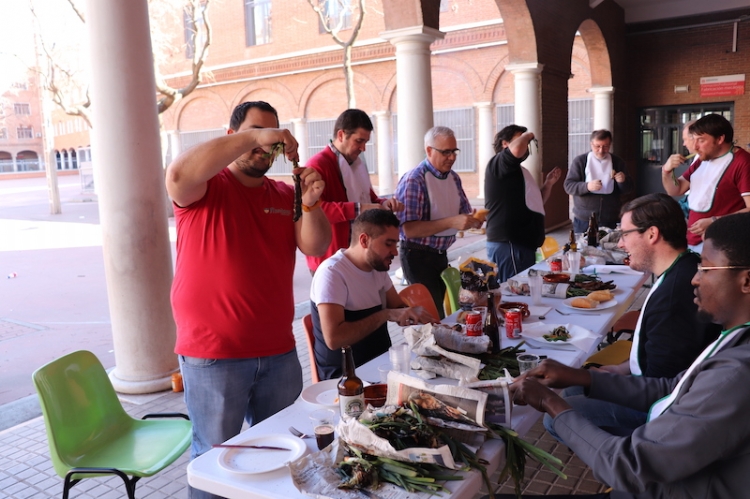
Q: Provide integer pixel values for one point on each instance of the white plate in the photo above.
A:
(601, 306)
(323, 393)
(252, 461)
(579, 337)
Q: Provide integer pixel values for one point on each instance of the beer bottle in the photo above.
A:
(592, 235)
(572, 243)
(351, 389)
(491, 327)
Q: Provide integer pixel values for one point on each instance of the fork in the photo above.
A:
(294, 431)
(576, 313)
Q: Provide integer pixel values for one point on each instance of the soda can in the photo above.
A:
(555, 265)
(513, 319)
(473, 324)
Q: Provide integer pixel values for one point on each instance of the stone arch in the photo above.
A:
(495, 78)
(520, 31)
(462, 71)
(364, 87)
(271, 91)
(598, 52)
(201, 111)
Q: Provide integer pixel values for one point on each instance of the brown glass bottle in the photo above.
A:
(492, 326)
(572, 242)
(351, 388)
(592, 234)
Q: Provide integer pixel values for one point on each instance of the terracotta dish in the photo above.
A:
(375, 394)
(562, 277)
(507, 305)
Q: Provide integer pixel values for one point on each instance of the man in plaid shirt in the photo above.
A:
(436, 207)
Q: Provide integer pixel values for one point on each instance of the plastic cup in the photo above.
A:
(527, 362)
(400, 356)
(574, 264)
(384, 369)
(535, 289)
(323, 423)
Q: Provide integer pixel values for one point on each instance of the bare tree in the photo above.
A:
(336, 15)
(67, 84)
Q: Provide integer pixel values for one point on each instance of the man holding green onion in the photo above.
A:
(696, 442)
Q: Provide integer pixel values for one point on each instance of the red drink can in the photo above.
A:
(513, 319)
(555, 265)
(473, 324)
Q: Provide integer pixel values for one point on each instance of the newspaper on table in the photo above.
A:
(315, 475)
(434, 358)
(499, 408)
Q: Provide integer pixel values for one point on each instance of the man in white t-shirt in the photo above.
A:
(353, 297)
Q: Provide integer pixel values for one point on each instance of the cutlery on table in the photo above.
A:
(576, 313)
(264, 447)
(294, 431)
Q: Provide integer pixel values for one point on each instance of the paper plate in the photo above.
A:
(324, 393)
(601, 306)
(253, 461)
(579, 337)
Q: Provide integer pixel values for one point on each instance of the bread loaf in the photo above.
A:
(582, 302)
(601, 295)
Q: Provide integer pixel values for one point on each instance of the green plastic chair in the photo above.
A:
(89, 432)
(452, 279)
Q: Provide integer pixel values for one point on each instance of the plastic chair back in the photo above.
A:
(549, 247)
(417, 295)
(452, 279)
(308, 325)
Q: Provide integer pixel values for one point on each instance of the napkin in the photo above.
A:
(610, 269)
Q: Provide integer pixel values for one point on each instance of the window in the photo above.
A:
(257, 22)
(20, 108)
(25, 132)
(195, 30)
(3, 133)
(337, 13)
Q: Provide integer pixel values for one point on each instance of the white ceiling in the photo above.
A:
(650, 10)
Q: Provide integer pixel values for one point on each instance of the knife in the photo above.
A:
(267, 447)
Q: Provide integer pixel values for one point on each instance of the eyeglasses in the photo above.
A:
(701, 268)
(447, 152)
(623, 233)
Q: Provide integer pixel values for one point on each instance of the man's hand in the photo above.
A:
(370, 206)
(312, 185)
(268, 137)
(556, 375)
(700, 226)
(673, 162)
(465, 222)
(393, 204)
(410, 316)
(553, 176)
(619, 177)
(594, 185)
(528, 391)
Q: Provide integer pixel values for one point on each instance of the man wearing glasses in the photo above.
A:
(696, 442)
(668, 337)
(515, 220)
(435, 209)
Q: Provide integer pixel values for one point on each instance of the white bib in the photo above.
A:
(445, 200)
(635, 367)
(356, 179)
(534, 200)
(600, 169)
(705, 180)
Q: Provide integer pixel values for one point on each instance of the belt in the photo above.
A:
(421, 247)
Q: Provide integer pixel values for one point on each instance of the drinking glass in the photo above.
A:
(574, 263)
(527, 361)
(400, 356)
(322, 421)
(535, 289)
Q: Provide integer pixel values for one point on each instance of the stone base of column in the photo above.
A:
(140, 387)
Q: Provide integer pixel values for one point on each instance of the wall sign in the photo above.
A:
(721, 86)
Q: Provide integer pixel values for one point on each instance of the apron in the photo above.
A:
(445, 200)
(534, 200)
(600, 169)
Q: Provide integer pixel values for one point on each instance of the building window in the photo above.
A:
(337, 13)
(25, 132)
(3, 134)
(257, 22)
(21, 108)
(195, 30)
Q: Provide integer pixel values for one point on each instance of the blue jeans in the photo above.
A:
(221, 393)
(510, 258)
(617, 419)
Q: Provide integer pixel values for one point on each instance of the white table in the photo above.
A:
(205, 473)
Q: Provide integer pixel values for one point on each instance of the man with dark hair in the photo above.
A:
(597, 180)
(348, 190)
(232, 292)
(436, 208)
(696, 442)
(718, 181)
(515, 220)
(353, 297)
(667, 336)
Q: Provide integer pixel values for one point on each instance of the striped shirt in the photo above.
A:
(412, 192)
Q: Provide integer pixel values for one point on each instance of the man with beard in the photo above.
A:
(353, 297)
(667, 336)
(232, 293)
(696, 442)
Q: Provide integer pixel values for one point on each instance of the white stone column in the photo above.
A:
(130, 184)
(528, 109)
(485, 137)
(414, 90)
(300, 133)
(384, 140)
(602, 107)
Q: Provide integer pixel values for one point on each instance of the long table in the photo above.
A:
(205, 473)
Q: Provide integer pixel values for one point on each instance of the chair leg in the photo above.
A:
(70, 482)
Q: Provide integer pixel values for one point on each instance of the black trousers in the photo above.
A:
(422, 266)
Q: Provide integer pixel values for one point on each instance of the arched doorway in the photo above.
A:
(27, 161)
(6, 162)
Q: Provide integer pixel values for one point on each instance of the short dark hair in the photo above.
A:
(239, 113)
(600, 135)
(373, 223)
(730, 234)
(714, 125)
(661, 211)
(350, 120)
(506, 134)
